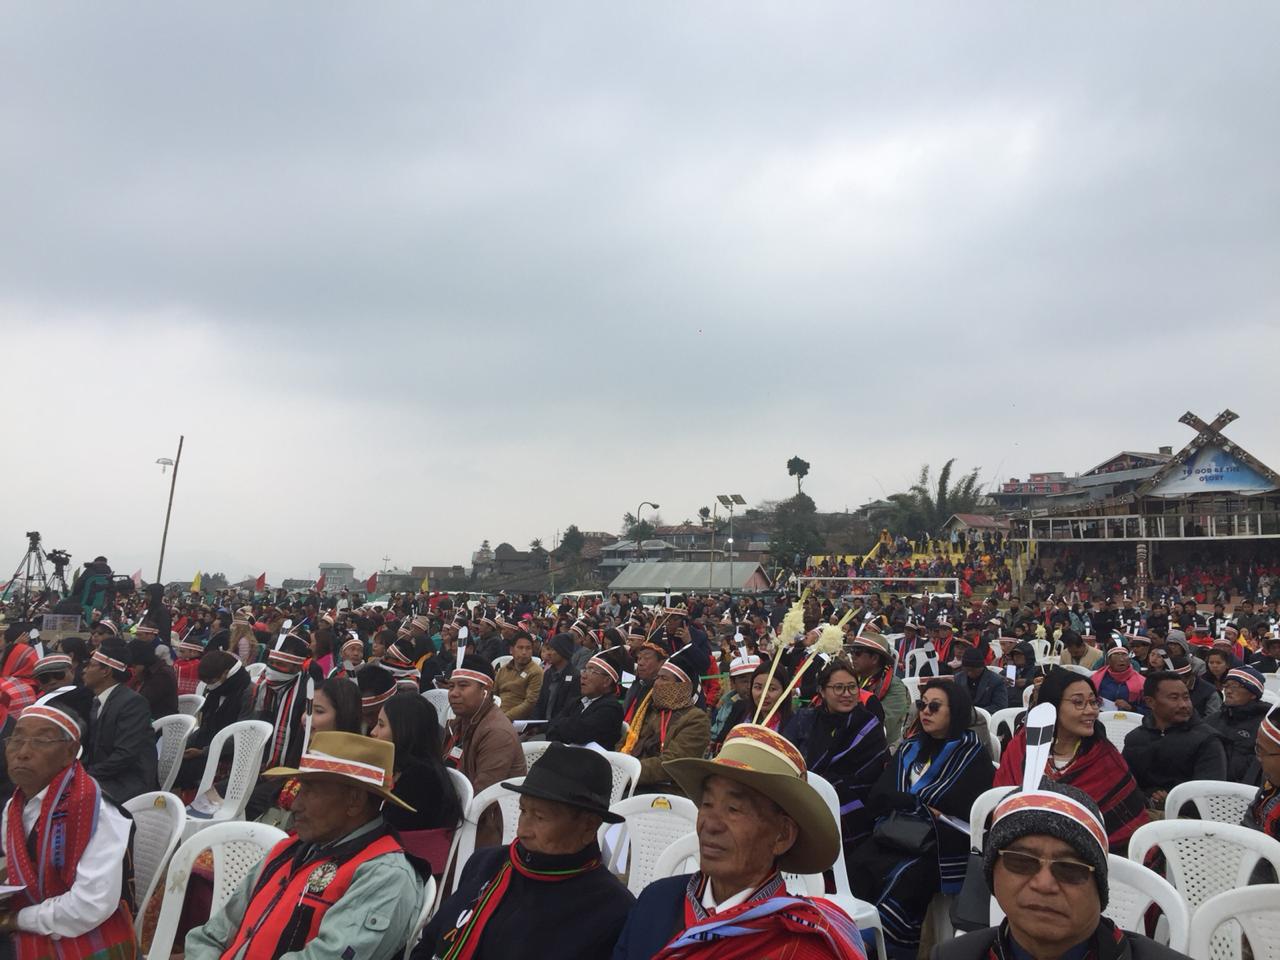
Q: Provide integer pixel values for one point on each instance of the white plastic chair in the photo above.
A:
(652, 821)
(466, 794)
(500, 662)
(534, 749)
(1271, 681)
(1027, 692)
(1076, 668)
(827, 792)
(238, 847)
(1253, 912)
(249, 738)
(1131, 890)
(173, 730)
(992, 739)
(189, 704)
(255, 671)
(986, 802)
(1204, 858)
(440, 700)
(1006, 720)
(1118, 723)
(464, 838)
(1215, 800)
(681, 856)
(1271, 697)
(1041, 648)
(428, 908)
(158, 818)
(626, 772)
(916, 660)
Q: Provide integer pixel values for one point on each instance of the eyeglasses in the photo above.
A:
(842, 689)
(1071, 872)
(1085, 703)
(928, 706)
(17, 743)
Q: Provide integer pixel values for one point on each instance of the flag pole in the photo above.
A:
(173, 482)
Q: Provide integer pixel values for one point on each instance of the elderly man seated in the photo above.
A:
(548, 893)
(757, 817)
(1046, 861)
(342, 887)
(65, 844)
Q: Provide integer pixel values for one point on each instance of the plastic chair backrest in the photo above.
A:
(173, 731)
(190, 703)
(1215, 800)
(915, 660)
(652, 822)
(1271, 681)
(428, 907)
(440, 700)
(1026, 697)
(978, 813)
(500, 662)
(158, 818)
(1131, 890)
(1217, 926)
(1118, 723)
(1076, 668)
(533, 749)
(1040, 646)
(993, 740)
(626, 771)
(508, 802)
(1271, 697)
(1204, 858)
(248, 739)
(680, 856)
(1006, 721)
(255, 670)
(452, 867)
(237, 846)
(828, 793)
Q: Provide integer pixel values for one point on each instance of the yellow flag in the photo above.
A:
(426, 587)
(195, 584)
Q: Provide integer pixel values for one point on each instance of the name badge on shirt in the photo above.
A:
(455, 753)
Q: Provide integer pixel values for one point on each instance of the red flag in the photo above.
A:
(371, 584)
(320, 584)
(137, 579)
(261, 582)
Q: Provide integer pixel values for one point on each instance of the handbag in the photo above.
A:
(905, 832)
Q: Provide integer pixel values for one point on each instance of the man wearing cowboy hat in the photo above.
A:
(757, 816)
(1046, 862)
(343, 886)
(547, 894)
(872, 659)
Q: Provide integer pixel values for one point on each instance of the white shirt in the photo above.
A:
(709, 899)
(95, 894)
(102, 697)
(588, 701)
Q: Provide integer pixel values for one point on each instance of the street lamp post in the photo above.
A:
(164, 538)
(639, 542)
(729, 500)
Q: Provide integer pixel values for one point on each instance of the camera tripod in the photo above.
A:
(30, 576)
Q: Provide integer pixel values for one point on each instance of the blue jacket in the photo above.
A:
(655, 919)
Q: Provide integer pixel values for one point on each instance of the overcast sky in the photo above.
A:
(410, 276)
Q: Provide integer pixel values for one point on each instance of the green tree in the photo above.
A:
(571, 543)
(795, 531)
(704, 513)
(926, 506)
(799, 469)
(644, 530)
(535, 543)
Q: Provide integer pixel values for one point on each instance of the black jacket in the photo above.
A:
(1239, 729)
(229, 703)
(1160, 760)
(122, 746)
(989, 691)
(1131, 946)
(1205, 698)
(574, 919)
(559, 689)
(601, 723)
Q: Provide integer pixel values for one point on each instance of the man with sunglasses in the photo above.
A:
(1045, 860)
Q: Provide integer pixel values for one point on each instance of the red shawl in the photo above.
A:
(1100, 771)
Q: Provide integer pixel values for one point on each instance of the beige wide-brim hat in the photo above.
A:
(361, 761)
(768, 763)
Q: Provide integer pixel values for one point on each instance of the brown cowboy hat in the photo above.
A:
(361, 761)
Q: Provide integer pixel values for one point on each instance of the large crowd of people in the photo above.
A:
(729, 701)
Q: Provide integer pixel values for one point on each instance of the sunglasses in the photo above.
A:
(928, 706)
(1070, 872)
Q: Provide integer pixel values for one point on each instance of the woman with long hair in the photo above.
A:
(421, 779)
(842, 739)
(914, 851)
(1082, 756)
(765, 692)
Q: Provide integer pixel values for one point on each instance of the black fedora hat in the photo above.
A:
(574, 776)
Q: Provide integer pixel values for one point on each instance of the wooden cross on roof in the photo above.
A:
(1206, 433)
(1208, 430)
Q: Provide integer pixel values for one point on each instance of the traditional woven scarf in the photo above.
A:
(68, 816)
(465, 938)
(279, 697)
(1265, 810)
(637, 724)
(879, 684)
(766, 925)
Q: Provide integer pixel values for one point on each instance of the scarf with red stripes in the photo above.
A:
(464, 939)
(280, 697)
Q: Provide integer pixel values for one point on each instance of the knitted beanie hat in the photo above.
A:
(1054, 810)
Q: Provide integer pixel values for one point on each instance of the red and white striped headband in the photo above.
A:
(369, 773)
(1268, 727)
(378, 699)
(675, 671)
(743, 666)
(114, 664)
(1054, 803)
(42, 711)
(188, 647)
(461, 673)
(605, 665)
(107, 625)
(354, 643)
(287, 659)
(53, 660)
